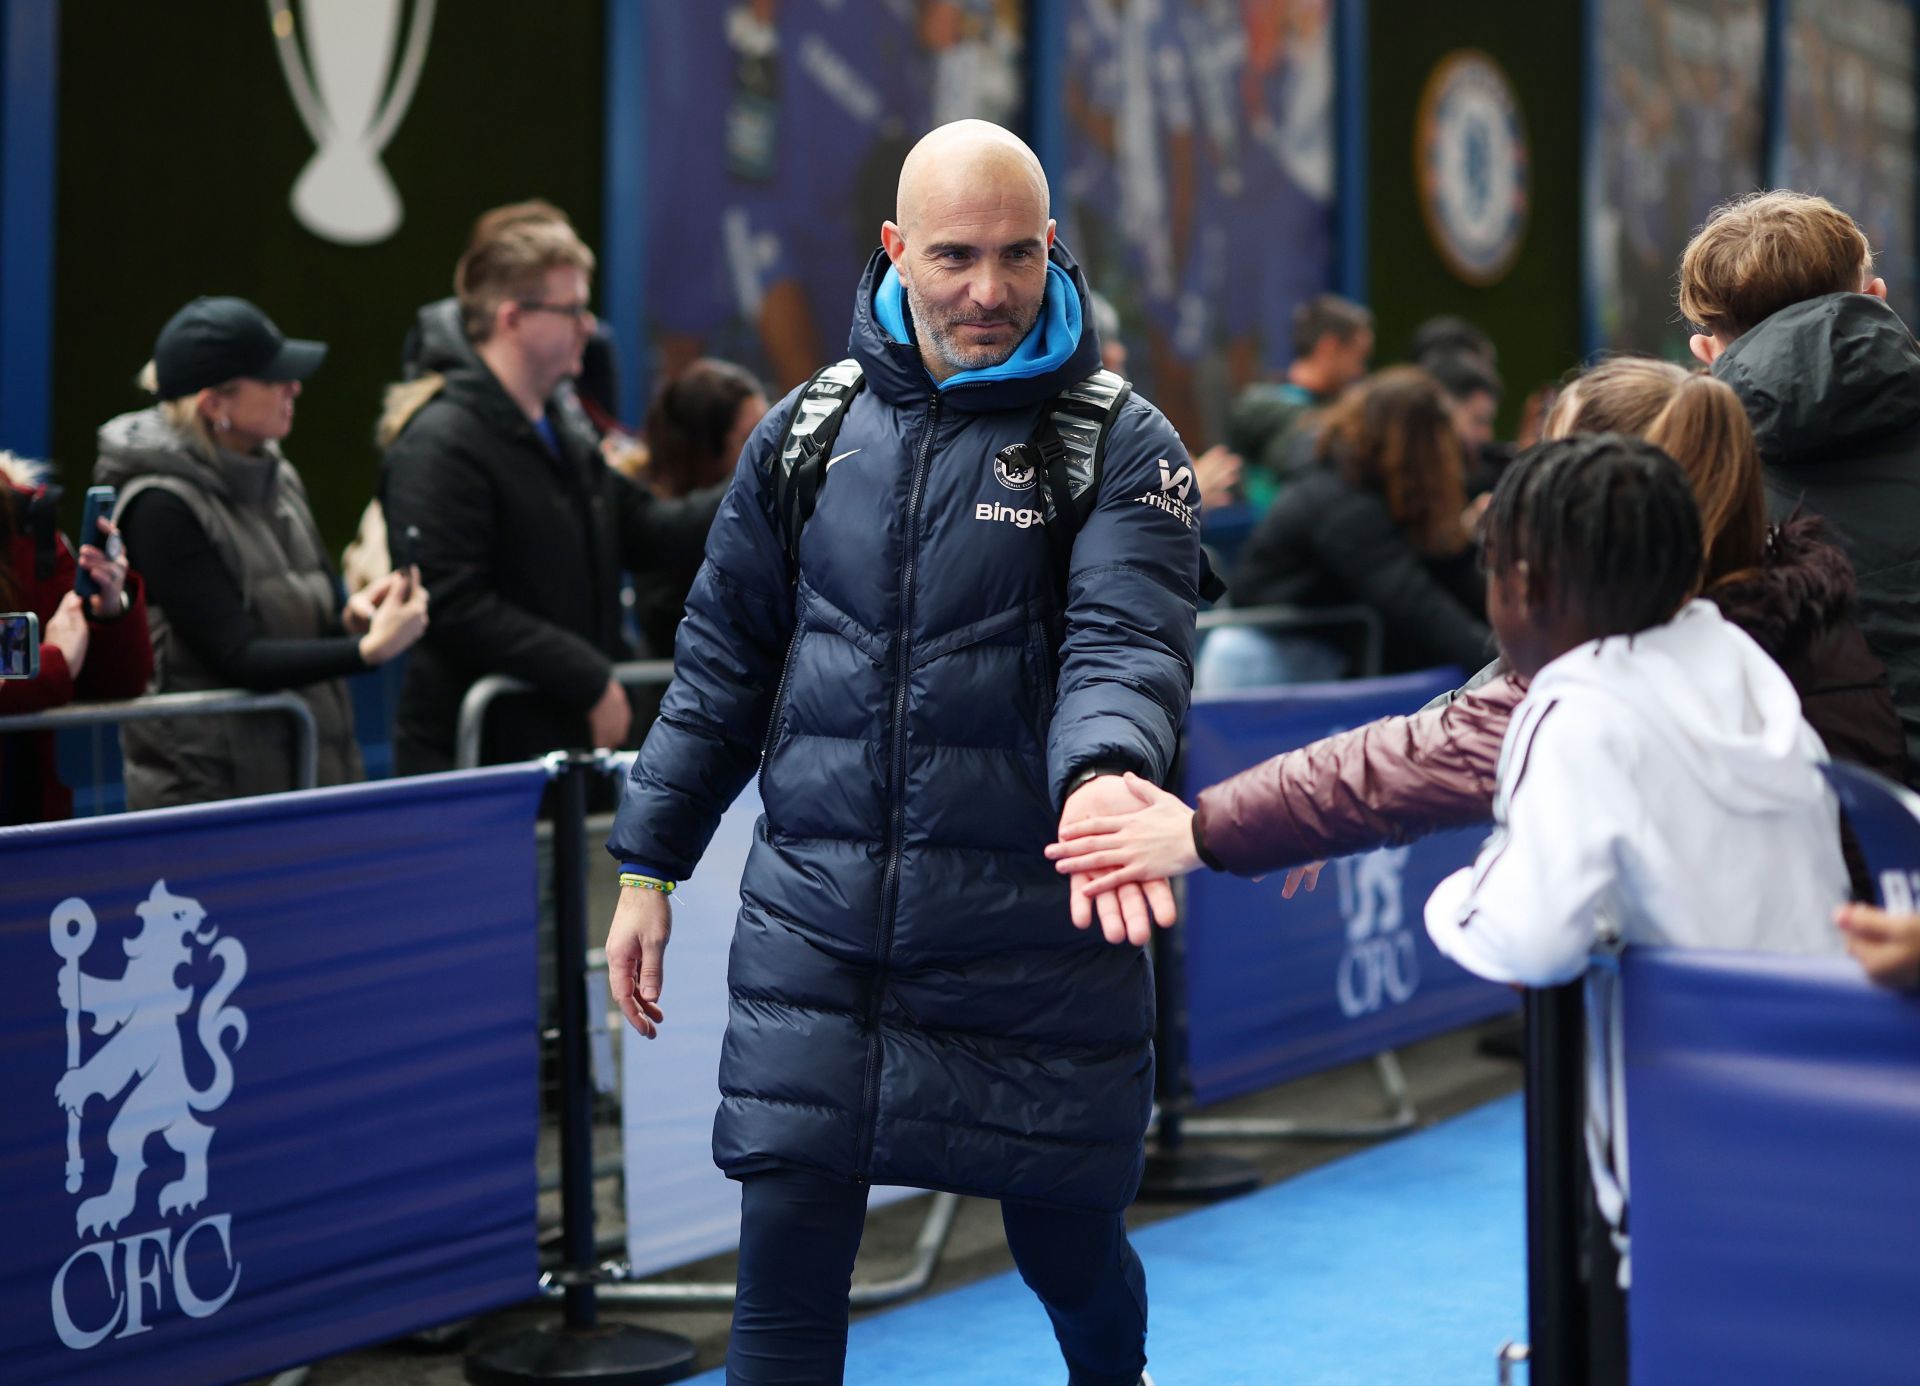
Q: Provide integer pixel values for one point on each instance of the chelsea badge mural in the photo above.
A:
(1470, 160)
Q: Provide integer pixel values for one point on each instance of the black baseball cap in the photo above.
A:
(214, 340)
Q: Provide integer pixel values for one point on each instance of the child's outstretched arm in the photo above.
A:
(1526, 910)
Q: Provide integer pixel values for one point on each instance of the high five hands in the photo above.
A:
(1122, 840)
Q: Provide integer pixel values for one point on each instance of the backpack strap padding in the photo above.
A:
(1078, 421)
(800, 464)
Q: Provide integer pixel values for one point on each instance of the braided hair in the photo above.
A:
(1607, 526)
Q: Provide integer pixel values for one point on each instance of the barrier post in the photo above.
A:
(581, 1349)
(1175, 1172)
(1556, 1194)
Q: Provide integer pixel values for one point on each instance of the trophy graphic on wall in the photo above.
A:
(337, 56)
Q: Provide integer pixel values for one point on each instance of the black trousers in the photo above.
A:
(1606, 1301)
(798, 1235)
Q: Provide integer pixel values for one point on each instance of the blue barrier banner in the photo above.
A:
(1773, 1112)
(270, 1076)
(1280, 988)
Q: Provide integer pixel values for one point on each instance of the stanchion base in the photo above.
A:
(1195, 1176)
(610, 1355)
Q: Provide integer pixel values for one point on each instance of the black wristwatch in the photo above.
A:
(1080, 777)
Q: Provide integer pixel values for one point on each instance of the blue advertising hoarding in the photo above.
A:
(270, 1069)
(1281, 988)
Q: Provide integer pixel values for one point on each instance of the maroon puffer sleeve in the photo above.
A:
(1378, 785)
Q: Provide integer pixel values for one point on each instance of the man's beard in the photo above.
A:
(941, 331)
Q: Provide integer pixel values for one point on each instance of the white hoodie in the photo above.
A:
(1663, 789)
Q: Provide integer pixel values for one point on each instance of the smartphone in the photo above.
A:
(99, 507)
(19, 645)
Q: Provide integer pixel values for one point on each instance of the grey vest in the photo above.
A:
(255, 513)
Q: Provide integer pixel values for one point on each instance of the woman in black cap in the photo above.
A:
(240, 593)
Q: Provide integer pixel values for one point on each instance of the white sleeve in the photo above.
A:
(1525, 911)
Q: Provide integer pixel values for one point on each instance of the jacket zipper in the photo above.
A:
(890, 881)
(780, 688)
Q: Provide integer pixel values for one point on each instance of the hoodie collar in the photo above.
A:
(1062, 348)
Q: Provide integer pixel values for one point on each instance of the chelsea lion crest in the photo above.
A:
(1013, 467)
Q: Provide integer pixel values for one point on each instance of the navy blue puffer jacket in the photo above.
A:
(909, 1001)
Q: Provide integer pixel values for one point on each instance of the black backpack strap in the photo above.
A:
(800, 463)
(1070, 442)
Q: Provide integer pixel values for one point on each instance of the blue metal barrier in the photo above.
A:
(1885, 820)
(1281, 988)
(1773, 1113)
(322, 1004)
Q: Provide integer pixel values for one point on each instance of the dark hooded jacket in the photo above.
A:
(909, 1000)
(522, 550)
(1326, 542)
(1833, 388)
(1401, 778)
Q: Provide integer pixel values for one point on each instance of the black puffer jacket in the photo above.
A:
(1833, 388)
(523, 552)
(1328, 543)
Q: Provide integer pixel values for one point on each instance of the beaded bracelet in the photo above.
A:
(628, 878)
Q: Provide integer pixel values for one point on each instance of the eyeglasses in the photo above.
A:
(577, 311)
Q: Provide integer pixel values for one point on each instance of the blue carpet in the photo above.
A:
(1405, 1263)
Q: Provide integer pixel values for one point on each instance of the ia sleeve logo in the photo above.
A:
(144, 1057)
(1173, 496)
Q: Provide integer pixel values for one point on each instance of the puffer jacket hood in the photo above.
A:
(1824, 377)
(909, 1000)
(437, 341)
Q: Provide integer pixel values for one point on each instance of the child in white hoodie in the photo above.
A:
(1657, 785)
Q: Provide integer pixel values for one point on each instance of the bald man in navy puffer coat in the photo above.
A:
(911, 1001)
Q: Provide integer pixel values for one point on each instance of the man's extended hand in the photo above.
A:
(1127, 912)
(636, 954)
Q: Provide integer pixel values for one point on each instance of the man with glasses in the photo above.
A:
(494, 483)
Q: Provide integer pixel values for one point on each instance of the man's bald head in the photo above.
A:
(970, 245)
(970, 160)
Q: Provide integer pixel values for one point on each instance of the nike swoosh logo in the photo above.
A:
(841, 458)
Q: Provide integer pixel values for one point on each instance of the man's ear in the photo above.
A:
(895, 242)
(1052, 225)
(1705, 349)
(505, 316)
(1878, 288)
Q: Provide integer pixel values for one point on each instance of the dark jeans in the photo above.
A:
(798, 1235)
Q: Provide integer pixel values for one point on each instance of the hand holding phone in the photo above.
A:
(19, 645)
(100, 502)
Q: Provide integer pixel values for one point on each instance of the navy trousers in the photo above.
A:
(798, 1235)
